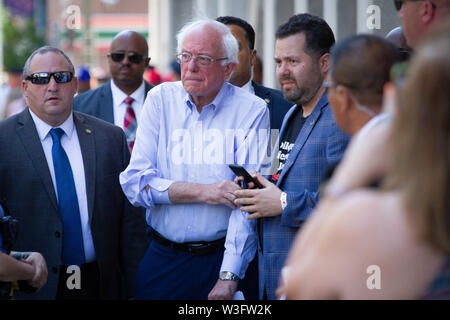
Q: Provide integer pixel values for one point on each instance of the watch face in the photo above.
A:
(226, 275)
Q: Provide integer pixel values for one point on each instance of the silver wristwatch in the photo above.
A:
(227, 275)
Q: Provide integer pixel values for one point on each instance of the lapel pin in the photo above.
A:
(267, 100)
(312, 122)
(88, 131)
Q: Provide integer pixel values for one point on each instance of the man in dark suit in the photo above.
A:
(242, 75)
(278, 107)
(128, 58)
(60, 179)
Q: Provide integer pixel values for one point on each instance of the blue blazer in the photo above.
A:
(277, 104)
(99, 102)
(319, 143)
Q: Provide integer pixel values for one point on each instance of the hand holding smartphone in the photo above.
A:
(241, 172)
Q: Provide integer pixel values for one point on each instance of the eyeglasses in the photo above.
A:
(329, 85)
(133, 57)
(44, 77)
(203, 61)
(399, 3)
(363, 108)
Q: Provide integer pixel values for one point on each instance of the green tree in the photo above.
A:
(19, 40)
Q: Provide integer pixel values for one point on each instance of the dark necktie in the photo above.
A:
(73, 249)
(130, 123)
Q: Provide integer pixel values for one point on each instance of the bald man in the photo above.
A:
(419, 17)
(120, 100)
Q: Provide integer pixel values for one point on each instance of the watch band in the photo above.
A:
(227, 275)
(283, 200)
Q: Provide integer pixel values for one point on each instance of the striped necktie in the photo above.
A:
(130, 123)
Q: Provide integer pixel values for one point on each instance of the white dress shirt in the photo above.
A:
(175, 142)
(120, 107)
(71, 145)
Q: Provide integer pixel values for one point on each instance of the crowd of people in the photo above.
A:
(130, 182)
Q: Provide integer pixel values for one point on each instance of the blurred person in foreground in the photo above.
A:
(402, 231)
(28, 267)
(364, 161)
(355, 98)
(420, 16)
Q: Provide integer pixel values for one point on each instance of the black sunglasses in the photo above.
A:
(133, 57)
(399, 3)
(44, 77)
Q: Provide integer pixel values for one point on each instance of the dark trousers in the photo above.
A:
(168, 274)
(250, 284)
(90, 284)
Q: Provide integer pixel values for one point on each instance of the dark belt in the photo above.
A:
(202, 248)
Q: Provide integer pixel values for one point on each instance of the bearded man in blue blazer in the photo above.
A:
(277, 105)
(310, 140)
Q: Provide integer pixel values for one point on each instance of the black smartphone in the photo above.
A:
(240, 171)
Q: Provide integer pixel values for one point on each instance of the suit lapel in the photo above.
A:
(87, 145)
(308, 126)
(105, 104)
(148, 86)
(27, 133)
(266, 96)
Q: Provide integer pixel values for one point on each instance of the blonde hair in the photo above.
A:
(421, 141)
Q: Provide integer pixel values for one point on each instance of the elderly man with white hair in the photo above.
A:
(189, 132)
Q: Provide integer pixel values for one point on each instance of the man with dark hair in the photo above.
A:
(242, 75)
(309, 141)
(278, 107)
(354, 97)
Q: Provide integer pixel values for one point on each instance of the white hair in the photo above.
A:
(229, 42)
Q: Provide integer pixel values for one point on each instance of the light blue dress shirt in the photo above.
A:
(176, 143)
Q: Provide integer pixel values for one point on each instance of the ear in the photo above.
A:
(252, 57)
(75, 85)
(229, 69)
(25, 88)
(426, 12)
(345, 98)
(324, 63)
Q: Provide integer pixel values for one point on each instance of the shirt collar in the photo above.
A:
(223, 92)
(248, 87)
(44, 128)
(119, 96)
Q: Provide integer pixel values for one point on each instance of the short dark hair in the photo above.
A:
(43, 50)
(318, 34)
(362, 63)
(249, 31)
